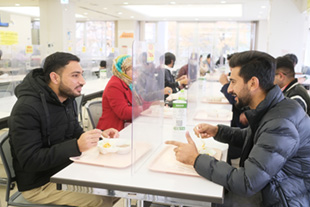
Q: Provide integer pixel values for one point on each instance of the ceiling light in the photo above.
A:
(263, 7)
(172, 2)
(105, 8)
(79, 16)
(29, 11)
(125, 3)
(85, 13)
(206, 10)
(17, 4)
(132, 17)
(120, 13)
(223, 2)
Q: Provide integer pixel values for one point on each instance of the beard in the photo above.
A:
(244, 99)
(65, 91)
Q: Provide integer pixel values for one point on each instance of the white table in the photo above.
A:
(141, 183)
(138, 181)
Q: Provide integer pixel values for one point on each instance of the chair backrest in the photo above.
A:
(79, 100)
(94, 110)
(7, 160)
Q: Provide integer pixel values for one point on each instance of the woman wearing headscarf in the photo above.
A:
(117, 96)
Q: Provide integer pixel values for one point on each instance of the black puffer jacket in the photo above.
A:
(297, 92)
(43, 132)
(278, 159)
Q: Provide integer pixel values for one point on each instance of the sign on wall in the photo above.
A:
(8, 38)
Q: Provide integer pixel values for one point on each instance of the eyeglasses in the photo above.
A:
(282, 73)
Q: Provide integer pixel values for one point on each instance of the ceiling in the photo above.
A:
(186, 10)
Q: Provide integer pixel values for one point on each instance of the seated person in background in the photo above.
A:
(220, 62)
(170, 81)
(190, 70)
(102, 65)
(203, 68)
(44, 131)
(208, 66)
(285, 79)
(292, 57)
(117, 96)
(274, 166)
(238, 119)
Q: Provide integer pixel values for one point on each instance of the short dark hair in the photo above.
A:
(229, 56)
(169, 57)
(292, 57)
(57, 61)
(103, 63)
(286, 65)
(255, 63)
(209, 55)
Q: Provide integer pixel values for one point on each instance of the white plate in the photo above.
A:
(116, 145)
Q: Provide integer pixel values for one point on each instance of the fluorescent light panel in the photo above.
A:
(212, 10)
(29, 11)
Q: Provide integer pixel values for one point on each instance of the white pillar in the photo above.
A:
(57, 27)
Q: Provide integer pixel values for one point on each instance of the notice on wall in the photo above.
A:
(29, 49)
(126, 34)
(8, 38)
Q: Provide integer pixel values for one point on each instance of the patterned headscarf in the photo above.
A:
(121, 65)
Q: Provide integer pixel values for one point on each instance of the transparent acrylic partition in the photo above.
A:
(193, 92)
(14, 65)
(148, 102)
(112, 55)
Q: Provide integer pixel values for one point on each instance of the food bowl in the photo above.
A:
(116, 145)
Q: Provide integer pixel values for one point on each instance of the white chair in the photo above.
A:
(17, 198)
(94, 110)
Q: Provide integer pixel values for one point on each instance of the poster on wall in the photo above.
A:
(8, 38)
(126, 34)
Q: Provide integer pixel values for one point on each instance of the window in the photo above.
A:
(94, 38)
(216, 38)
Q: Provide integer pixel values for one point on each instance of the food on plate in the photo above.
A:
(203, 149)
(117, 145)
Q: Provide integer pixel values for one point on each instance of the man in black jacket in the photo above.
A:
(274, 165)
(285, 79)
(44, 131)
(170, 80)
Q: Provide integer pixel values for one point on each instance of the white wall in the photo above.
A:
(287, 30)
(126, 26)
(262, 36)
(21, 25)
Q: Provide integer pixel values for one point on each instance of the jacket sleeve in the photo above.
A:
(27, 141)
(169, 80)
(120, 101)
(278, 140)
(229, 97)
(231, 135)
